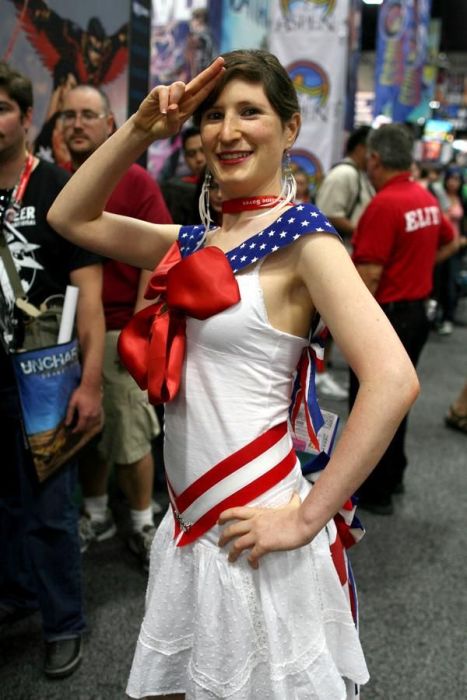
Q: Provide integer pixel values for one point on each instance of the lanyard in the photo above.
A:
(18, 193)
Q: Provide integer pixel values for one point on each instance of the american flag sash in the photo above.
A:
(235, 481)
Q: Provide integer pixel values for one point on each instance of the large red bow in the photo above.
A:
(152, 344)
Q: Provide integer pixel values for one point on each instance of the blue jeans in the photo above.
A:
(40, 561)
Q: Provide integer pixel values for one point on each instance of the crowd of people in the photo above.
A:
(446, 183)
(130, 422)
(224, 333)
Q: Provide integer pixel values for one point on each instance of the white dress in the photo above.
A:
(218, 630)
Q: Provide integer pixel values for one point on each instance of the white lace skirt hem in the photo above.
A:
(217, 630)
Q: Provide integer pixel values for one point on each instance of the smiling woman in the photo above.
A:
(248, 593)
(264, 139)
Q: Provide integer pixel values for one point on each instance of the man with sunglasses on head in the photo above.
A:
(130, 422)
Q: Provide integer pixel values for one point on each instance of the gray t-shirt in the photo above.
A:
(344, 192)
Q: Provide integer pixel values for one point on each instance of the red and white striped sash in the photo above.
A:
(235, 481)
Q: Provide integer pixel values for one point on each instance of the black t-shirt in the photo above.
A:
(43, 258)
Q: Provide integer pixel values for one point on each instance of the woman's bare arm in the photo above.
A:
(77, 213)
(388, 387)
(387, 378)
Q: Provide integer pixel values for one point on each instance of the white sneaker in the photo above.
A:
(95, 531)
(327, 386)
(446, 328)
(156, 507)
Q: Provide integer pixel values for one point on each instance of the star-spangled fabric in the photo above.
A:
(297, 221)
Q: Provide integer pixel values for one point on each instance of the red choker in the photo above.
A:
(235, 206)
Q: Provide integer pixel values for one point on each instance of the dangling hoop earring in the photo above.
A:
(289, 185)
(203, 204)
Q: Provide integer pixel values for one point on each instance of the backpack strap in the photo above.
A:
(14, 278)
(358, 197)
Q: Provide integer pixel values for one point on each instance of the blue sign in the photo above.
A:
(400, 57)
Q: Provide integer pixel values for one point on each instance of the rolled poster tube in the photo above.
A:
(65, 332)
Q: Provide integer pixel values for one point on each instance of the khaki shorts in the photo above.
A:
(130, 421)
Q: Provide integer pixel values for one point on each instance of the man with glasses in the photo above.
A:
(130, 422)
(87, 116)
(85, 127)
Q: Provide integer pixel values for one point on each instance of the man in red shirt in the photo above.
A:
(130, 422)
(401, 235)
(181, 194)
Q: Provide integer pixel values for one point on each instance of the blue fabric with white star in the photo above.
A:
(299, 220)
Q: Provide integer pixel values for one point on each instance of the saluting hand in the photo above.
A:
(164, 111)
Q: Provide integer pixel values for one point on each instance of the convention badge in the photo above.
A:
(326, 434)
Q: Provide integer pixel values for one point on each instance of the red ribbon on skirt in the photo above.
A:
(152, 345)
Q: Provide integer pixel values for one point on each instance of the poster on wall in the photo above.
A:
(182, 44)
(59, 44)
(354, 56)
(138, 59)
(401, 51)
(310, 38)
(451, 93)
(422, 109)
(240, 24)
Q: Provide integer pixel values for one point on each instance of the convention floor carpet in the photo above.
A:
(411, 570)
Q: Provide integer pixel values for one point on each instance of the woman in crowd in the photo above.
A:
(448, 270)
(453, 183)
(303, 186)
(244, 600)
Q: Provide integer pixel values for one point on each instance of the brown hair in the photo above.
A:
(256, 66)
(16, 86)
